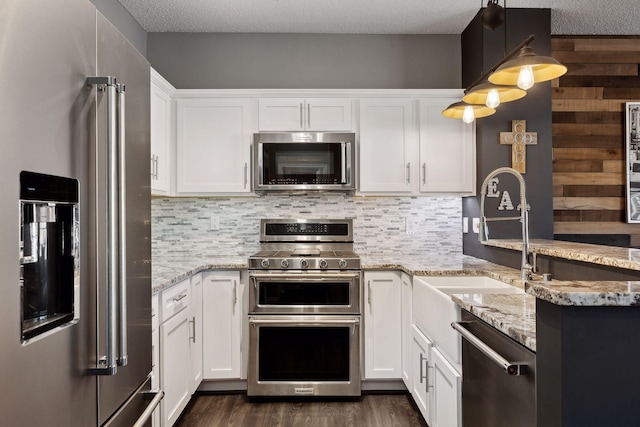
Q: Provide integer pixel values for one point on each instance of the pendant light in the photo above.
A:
(527, 69)
(467, 112)
(492, 95)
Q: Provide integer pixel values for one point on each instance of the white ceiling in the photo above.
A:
(370, 16)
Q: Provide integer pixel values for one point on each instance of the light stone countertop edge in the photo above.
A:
(611, 256)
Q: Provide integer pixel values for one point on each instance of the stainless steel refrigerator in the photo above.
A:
(75, 255)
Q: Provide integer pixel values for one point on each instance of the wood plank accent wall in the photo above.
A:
(588, 133)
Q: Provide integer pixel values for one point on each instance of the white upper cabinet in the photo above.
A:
(447, 150)
(213, 145)
(304, 114)
(388, 145)
(161, 127)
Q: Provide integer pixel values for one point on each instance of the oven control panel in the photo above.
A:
(303, 263)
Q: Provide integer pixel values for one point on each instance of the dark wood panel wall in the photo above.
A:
(588, 135)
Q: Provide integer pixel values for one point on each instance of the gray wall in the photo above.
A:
(282, 61)
(481, 49)
(124, 22)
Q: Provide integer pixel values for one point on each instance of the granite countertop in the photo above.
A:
(627, 258)
(581, 293)
(504, 312)
(449, 265)
(511, 314)
(167, 271)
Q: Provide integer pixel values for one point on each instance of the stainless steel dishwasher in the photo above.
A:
(498, 377)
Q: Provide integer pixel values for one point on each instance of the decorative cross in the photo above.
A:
(519, 138)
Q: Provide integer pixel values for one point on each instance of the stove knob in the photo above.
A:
(284, 263)
(265, 263)
(304, 263)
(342, 263)
(323, 263)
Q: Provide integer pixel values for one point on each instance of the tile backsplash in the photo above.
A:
(382, 225)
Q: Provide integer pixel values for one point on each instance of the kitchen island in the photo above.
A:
(587, 337)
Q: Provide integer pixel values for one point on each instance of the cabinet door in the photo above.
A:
(447, 150)
(382, 325)
(281, 114)
(196, 332)
(421, 368)
(175, 366)
(388, 142)
(213, 145)
(447, 393)
(406, 329)
(328, 114)
(160, 131)
(222, 320)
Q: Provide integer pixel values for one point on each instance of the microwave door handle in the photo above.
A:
(122, 230)
(108, 364)
(343, 169)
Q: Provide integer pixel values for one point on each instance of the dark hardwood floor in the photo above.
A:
(371, 410)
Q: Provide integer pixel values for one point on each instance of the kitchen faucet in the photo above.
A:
(527, 269)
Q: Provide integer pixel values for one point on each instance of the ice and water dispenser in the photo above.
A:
(49, 253)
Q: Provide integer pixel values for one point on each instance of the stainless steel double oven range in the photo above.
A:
(304, 310)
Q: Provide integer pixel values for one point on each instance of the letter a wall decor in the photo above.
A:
(519, 138)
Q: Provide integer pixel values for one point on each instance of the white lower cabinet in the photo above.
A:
(222, 324)
(155, 356)
(195, 336)
(447, 393)
(430, 327)
(405, 324)
(175, 366)
(179, 347)
(421, 373)
(382, 322)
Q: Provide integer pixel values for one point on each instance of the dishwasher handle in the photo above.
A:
(511, 368)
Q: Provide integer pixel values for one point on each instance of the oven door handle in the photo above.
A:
(253, 321)
(307, 277)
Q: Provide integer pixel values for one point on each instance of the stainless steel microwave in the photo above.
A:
(291, 161)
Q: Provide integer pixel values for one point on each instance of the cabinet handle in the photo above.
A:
(308, 116)
(235, 295)
(245, 175)
(424, 173)
(422, 375)
(301, 119)
(153, 162)
(193, 329)
(179, 297)
(369, 294)
(408, 173)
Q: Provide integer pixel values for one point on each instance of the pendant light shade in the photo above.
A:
(467, 112)
(542, 68)
(492, 95)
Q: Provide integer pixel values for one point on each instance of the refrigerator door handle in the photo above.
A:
(122, 230)
(108, 365)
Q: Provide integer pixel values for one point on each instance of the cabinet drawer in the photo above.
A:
(174, 299)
